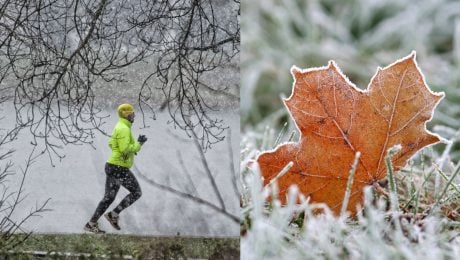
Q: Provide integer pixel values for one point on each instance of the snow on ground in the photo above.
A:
(76, 184)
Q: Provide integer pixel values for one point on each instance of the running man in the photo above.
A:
(124, 147)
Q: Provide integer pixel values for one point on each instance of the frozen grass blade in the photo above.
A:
(457, 170)
(351, 176)
(444, 176)
(394, 203)
(281, 173)
(416, 195)
(281, 134)
(393, 189)
(265, 139)
(291, 137)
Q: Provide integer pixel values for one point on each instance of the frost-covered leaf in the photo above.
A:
(336, 120)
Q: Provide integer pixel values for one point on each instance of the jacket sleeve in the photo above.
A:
(123, 138)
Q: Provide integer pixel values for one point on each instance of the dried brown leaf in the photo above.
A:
(336, 120)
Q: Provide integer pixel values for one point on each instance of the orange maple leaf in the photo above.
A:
(336, 120)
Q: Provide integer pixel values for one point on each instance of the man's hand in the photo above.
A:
(142, 139)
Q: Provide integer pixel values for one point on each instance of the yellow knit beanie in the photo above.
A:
(124, 110)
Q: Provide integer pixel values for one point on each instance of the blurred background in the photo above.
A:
(359, 35)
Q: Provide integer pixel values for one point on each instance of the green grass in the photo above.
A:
(141, 247)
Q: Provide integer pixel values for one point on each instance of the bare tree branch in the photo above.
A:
(208, 171)
(188, 196)
(8, 205)
(53, 54)
(220, 207)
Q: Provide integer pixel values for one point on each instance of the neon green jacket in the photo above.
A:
(123, 145)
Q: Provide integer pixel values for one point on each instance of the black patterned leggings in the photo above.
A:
(116, 176)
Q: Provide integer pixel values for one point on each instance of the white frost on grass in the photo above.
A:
(372, 236)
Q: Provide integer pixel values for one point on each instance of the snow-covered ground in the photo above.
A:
(76, 184)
